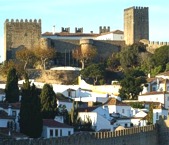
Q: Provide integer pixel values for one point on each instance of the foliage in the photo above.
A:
(30, 121)
(48, 102)
(84, 125)
(25, 55)
(94, 71)
(149, 116)
(62, 111)
(44, 55)
(84, 55)
(161, 57)
(12, 64)
(156, 70)
(132, 84)
(11, 88)
(136, 105)
(113, 62)
(132, 56)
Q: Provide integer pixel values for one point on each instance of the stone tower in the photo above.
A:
(20, 34)
(136, 24)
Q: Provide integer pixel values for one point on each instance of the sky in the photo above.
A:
(89, 14)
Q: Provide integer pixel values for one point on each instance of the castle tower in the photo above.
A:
(20, 34)
(136, 24)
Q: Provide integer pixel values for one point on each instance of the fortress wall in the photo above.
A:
(148, 136)
(54, 76)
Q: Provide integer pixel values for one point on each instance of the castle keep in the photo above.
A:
(19, 34)
(136, 24)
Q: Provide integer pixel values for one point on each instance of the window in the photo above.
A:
(157, 115)
(154, 89)
(51, 132)
(125, 125)
(69, 132)
(13, 113)
(122, 110)
(56, 132)
(60, 132)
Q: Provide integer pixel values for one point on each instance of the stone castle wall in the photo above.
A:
(134, 136)
(19, 34)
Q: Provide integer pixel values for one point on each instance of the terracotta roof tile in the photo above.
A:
(87, 109)
(13, 105)
(114, 101)
(53, 123)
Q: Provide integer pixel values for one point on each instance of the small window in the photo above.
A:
(56, 132)
(60, 132)
(122, 110)
(154, 89)
(125, 125)
(131, 124)
(13, 113)
(69, 132)
(51, 132)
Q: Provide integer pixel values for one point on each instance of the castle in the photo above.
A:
(21, 34)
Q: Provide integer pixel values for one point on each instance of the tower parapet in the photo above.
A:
(67, 30)
(104, 29)
(79, 30)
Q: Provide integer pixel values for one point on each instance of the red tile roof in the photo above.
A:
(53, 123)
(4, 115)
(13, 105)
(114, 101)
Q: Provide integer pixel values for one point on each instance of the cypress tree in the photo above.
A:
(48, 102)
(30, 121)
(11, 88)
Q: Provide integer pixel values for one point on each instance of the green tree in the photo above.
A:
(130, 55)
(62, 111)
(94, 71)
(161, 57)
(11, 88)
(30, 121)
(132, 84)
(48, 102)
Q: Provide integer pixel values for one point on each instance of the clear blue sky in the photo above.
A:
(89, 14)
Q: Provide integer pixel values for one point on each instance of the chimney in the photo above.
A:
(53, 29)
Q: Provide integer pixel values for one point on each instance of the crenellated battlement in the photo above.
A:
(104, 29)
(140, 8)
(158, 43)
(23, 21)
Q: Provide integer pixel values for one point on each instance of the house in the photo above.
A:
(113, 105)
(114, 35)
(159, 111)
(12, 111)
(52, 128)
(161, 97)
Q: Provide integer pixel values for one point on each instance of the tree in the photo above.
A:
(84, 56)
(44, 55)
(132, 84)
(161, 57)
(24, 55)
(62, 111)
(130, 55)
(11, 88)
(12, 64)
(94, 71)
(30, 121)
(48, 102)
